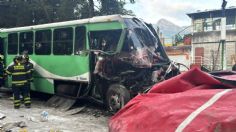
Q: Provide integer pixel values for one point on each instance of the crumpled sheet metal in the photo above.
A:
(192, 101)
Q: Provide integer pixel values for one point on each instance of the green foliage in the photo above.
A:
(14, 13)
(178, 39)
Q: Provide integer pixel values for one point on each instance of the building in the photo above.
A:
(180, 54)
(206, 38)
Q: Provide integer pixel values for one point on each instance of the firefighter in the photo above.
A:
(19, 73)
(30, 67)
(1, 70)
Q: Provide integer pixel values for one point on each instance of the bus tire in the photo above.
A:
(116, 97)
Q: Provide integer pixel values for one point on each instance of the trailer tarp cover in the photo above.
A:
(192, 101)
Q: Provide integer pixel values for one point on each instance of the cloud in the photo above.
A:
(172, 10)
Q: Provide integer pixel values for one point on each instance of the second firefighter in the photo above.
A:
(19, 72)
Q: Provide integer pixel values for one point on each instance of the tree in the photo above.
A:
(15, 13)
(91, 8)
(13, 9)
(108, 7)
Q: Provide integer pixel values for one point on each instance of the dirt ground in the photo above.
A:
(90, 119)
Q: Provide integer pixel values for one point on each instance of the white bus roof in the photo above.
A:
(68, 23)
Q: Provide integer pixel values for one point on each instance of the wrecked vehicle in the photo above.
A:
(108, 58)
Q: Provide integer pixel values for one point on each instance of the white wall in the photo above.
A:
(181, 59)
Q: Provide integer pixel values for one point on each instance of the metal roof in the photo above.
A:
(212, 13)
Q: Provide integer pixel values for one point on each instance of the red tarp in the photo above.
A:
(192, 101)
(229, 77)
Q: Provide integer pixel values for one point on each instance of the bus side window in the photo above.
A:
(80, 39)
(26, 42)
(13, 43)
(63, 41)
(43, 42)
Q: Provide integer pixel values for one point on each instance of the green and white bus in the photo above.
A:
(108, 58)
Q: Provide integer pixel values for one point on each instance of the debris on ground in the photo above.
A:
(7, 127)
(77, 119)
(44, 116)
(75, 110)
(2, 116)
(61, 103)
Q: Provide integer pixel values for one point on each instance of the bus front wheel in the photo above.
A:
(117, 96)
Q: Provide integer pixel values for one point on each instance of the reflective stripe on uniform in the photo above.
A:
(20, 73)
(18, 82)
(8, 72)
(27, 98)
(27, 102)
(17, 104)
(19, 67)
(16, 101)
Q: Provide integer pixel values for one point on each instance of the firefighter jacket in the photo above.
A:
(1, 70)
(30, 67)
(19, 73)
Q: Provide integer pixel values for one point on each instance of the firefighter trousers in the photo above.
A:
(24, 90)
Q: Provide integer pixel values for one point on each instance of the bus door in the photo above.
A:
(79, 52)
(103, 43)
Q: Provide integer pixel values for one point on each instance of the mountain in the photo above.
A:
(169, 29)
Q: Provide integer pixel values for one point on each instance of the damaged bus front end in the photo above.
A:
(127, 63)
(107, 58)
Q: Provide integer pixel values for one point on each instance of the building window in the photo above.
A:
(230, 22)
(26, 42)
(216, 24)
(80, 39)
(198, 25)
(207, 24)
(43, 42)
(12, 43)
(63, 41)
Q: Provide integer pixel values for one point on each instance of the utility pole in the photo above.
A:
(223, 37)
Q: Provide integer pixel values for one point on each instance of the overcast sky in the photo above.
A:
(173, 10)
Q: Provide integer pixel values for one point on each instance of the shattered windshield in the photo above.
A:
(143, 46)
(143, 35)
